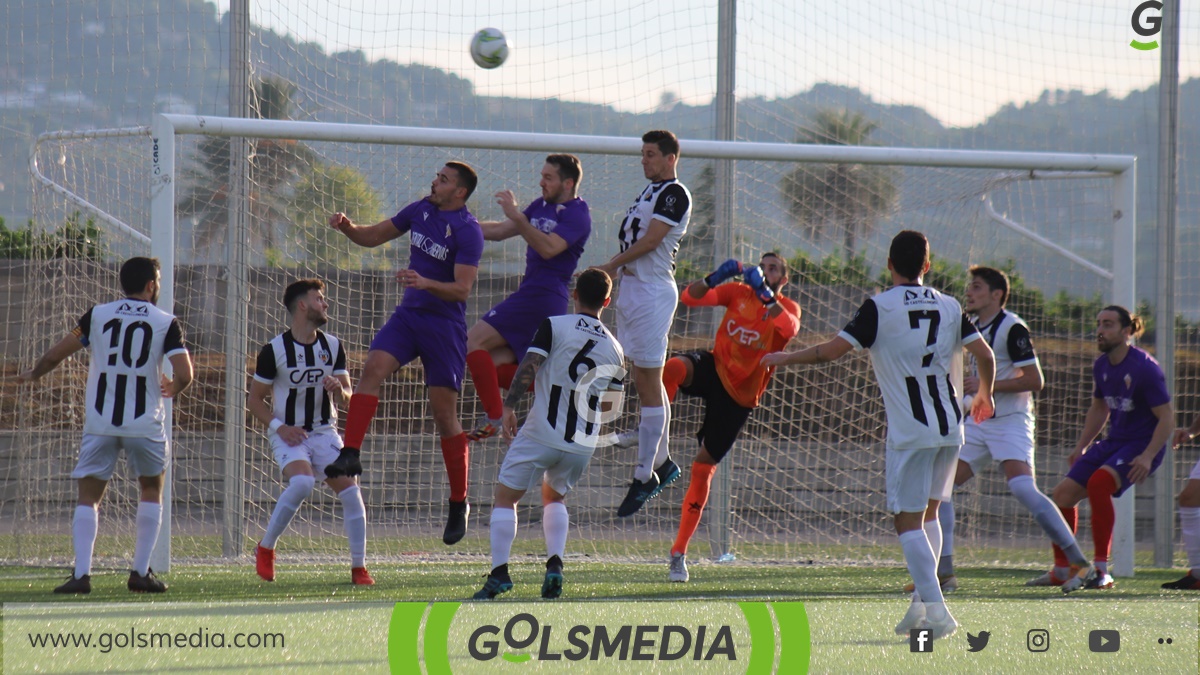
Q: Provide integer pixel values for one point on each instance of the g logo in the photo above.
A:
(1146, 26)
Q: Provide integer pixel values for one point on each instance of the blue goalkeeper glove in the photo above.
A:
(728, 270)
(755, 280)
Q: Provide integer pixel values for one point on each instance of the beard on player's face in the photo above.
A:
(316, 316)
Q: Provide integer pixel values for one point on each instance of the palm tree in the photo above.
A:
(839, 199)
(274, 166)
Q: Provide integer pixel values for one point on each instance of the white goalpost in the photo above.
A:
(805, 479)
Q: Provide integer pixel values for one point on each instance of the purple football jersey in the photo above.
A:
(438, 240)
(1130, 388)
(570, 220)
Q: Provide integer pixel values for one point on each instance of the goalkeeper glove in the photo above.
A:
(755, 280)
(728, 270)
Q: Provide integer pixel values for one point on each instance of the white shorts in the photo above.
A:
(997, 440)
(527, 463)
(916, 476)
(319, 450)
(644, 315)
(1195, 474)
(98, 456)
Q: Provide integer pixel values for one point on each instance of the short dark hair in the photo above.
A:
(995, 279)
(782, 260)
(594, 287)
(666, 141)
(909, 253)
(467, 178)
(137, 272)
(1128, 320)
(298, 289)
(568, 167)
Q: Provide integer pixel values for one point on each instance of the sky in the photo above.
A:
(961, 61)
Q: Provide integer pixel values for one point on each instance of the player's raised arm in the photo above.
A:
(825, 352)
(368, 236)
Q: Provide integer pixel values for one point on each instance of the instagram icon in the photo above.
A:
(1038, 640)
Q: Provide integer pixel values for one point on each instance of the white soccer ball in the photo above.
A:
(489, 48)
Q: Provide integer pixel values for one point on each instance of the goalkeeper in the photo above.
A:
(730, 379)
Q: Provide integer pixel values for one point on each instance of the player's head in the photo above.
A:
(775, 270)
(908, 256)
(306, 298)
(660, 153)
(593, 290)
(560, 178)
(987, 291)
(143, 277)
(1116, 327)
(453, 185)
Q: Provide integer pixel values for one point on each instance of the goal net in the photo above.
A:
(805, 482)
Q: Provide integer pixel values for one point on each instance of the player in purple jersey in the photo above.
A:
(1130, 394)
(556, 227)
(445, 244)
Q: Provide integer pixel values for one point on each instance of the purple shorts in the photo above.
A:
(517, 318)
(1115, 454)
(440, 343)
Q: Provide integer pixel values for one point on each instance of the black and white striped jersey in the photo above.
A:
(128, 340)
(915, 335)
(1009, 339)
(670, 202)
(295, 372)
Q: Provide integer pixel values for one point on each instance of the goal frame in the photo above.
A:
(1121, 169)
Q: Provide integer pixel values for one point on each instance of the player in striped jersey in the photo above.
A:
(914, 334)
(445, 244)
(556, 227)
(579, 371)
(303, 372)
(650, 235)
(128, 340)
(1007, 437)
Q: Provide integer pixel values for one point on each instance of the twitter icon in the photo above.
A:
(978, 642)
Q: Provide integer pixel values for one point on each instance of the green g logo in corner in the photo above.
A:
(1146, 25)
(742, 637)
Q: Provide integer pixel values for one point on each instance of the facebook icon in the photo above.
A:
(920, 640)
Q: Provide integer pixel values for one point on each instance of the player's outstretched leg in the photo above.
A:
(639, 493)
(348, 463)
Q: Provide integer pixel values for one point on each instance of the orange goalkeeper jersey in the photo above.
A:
(746, 335)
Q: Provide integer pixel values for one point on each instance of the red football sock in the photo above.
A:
(454, 454)
(504, 374)
(673, 375)
(693, 504)
(1071, 515)
(358, 418)
(1100, 488)
(487, 385)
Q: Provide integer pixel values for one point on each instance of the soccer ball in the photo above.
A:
(489, 48)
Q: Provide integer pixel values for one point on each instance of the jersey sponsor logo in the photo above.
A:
(324, 356)
(139, 309)
(1128, 381)
(912, 297)
(590, 328)
(546, 225)
(1119, 403)
(741, 334)
(428, 246)
(309, 376)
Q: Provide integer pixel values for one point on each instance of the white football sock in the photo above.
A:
(664, 452)
(149, 518)
(1189, 523)
(555, 522)
(503, 533)
(354, 520)
(84, 526)
(946, 520)
(922, 566)
(650, 432)
(933, 532)
(298, 489)
(1048, 516)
